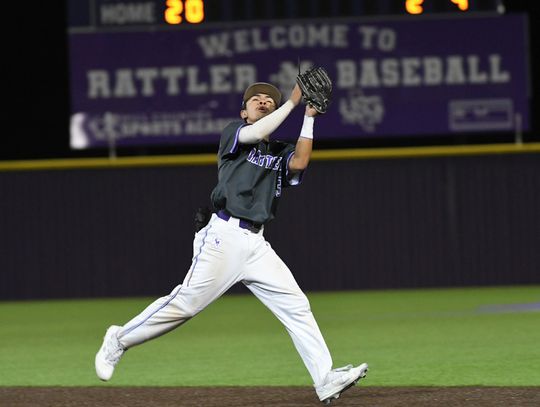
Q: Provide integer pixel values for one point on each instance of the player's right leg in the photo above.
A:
(216, 257)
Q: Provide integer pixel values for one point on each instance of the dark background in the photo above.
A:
(36, 117)
(388, 223)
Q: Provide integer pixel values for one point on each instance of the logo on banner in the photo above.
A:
(285, 77)
(359, 109)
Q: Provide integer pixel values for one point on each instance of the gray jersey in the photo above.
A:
(251, 176)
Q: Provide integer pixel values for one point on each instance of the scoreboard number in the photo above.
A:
(192, 11)
(416, 6)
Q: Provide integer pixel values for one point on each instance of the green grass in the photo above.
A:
(440, 337)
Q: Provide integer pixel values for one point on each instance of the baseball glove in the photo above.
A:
(316, 88)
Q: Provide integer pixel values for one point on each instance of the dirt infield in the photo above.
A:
(265, 396)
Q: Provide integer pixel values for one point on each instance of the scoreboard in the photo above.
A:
(161, 72)
(107, 14)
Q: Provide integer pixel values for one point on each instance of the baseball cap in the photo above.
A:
(263, 87)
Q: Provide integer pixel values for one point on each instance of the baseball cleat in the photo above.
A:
(109, 354)
(339, 380)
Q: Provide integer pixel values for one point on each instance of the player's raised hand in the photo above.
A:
(296, 95)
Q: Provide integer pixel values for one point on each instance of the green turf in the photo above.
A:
(450, 337)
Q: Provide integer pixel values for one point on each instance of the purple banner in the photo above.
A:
(392, 77)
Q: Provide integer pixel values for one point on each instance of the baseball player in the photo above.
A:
(253, 170)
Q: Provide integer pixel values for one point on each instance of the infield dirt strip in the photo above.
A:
(265, 396)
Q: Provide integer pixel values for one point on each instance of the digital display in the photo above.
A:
(112, 14)
(178, 11)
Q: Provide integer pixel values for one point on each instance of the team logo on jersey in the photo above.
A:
(267, 161)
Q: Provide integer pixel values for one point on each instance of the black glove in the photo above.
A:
(316, 88)
(202, 217)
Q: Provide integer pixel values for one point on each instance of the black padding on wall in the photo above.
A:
(430, 222)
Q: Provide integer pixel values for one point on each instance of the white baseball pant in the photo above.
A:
(224, 254)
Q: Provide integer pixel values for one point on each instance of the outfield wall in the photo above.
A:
(433, 221)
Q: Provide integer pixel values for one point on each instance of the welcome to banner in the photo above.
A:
(392, 78)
